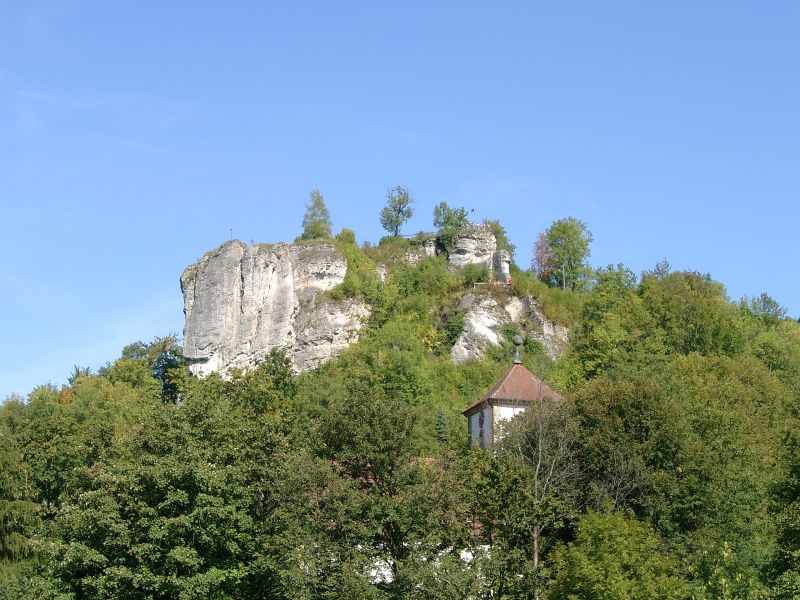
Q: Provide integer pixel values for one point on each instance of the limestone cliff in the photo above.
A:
(486, 316)
(241, 301)
(475, 246)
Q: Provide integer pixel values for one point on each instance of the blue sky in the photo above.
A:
(134, 135)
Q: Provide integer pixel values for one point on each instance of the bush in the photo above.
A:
(361, 279)
(615, 557)
(453, 328)
(430, 277)
(346, 236)
(473, 274)
(503, 243)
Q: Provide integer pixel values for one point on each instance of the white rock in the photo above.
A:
(485, 317)
(475, 246)
(241, 301)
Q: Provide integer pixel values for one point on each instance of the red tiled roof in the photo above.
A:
(519, 386)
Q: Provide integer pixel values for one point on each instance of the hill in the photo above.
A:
(669, 470)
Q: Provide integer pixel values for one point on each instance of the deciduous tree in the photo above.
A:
(317, 219)
(616, 558)
(540, 444)
(449, 222)
(568, 240)
(398, 209)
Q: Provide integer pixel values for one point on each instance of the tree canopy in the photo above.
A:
(317, 219)
(561, 254)
(670, 469)
(397, 211)
(449, 222)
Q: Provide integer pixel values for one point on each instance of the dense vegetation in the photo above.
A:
(676, 453)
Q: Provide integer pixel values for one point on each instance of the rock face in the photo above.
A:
(241, 301)
(501, 263)
(475, 246)
(485, 318)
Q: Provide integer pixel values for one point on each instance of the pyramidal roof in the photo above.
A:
(518, 386)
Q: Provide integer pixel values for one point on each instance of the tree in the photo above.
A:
(568, 240)
(614, 557)
(449, 222)
(501, 236)
(370, 440)
(539, 449)
(618, 334)
(542, 261)
(180, 506)
(316, 220)
(694, 313)
(17, 512)
(398, 209)
(158, 367)
(765, 308)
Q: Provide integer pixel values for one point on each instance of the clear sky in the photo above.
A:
(135, 134)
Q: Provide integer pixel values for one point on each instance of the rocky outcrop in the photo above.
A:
(241, 301)
(486, 316)
(412, 256)
(476, 245)
(553, 337)
(501, 264)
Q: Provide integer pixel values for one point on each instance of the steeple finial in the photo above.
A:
(518, 341)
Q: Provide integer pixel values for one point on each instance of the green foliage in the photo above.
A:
(720, 572)
(453, 327)
(538, 454)
(175, 510)
(684, 450)
(347, 237)
(397, 211)
(765, 308)
(371, 440)
(614, 557)
(361, 279)
(559, 306)
(430, 278)
(503, 243)
(158, 369)
(786, 586)
(625, 326)
(785, 566)
(694, 313)
(316, 220)
(17, 511)
(567, 250)
(449, 223)
(473, 274)
(269, 385)
(355, 480)
(62, 434)
(78, 372)
(618, 332)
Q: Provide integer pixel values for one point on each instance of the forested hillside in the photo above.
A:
(670, 470)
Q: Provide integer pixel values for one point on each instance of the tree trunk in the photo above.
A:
(536, 533)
